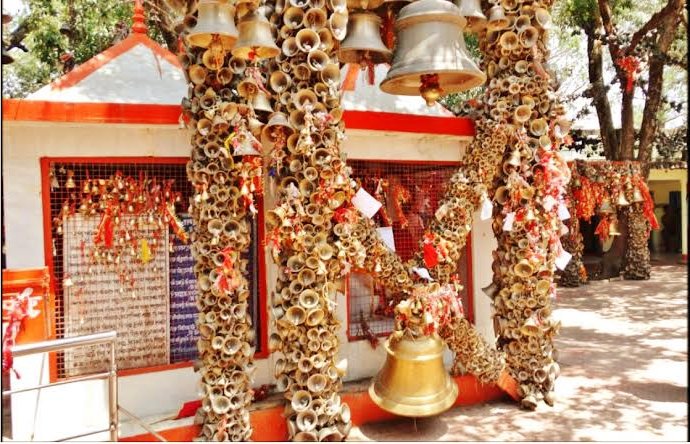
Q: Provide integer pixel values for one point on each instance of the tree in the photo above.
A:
(656, 43)
(60, 34)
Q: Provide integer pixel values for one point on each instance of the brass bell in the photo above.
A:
(214, 19)
(491, 290)
(606, 207)
(413, 381)
(613, 228)
(497, 19)
(363, 43)
(472, 11)
(275, 120)
(353, 5)
(256, 41)
(637, 195)
(622, 201)
(261, 102)
(431, 58)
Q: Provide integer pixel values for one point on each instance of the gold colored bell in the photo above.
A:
(472, 11)
(261, 102)
(353, 5)
(214, 19)
(363, 43)
(430, 57)
(637, 195)
(613, 228)
(413, 381)
(255, 41)
(606, 207)
(490, 290)
(275, 120)
(622, 201)
(497, 19)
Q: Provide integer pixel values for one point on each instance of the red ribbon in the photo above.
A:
(629, 65)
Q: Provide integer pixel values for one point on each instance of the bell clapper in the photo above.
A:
(430, 89)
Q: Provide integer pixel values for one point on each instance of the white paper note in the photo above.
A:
(422, 273)
(387, 236)
(366, 203)
(487, 208)
(563, 259)
(563, 212)
(548, 202)
(508, 222)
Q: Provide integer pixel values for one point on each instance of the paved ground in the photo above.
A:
(623, 356)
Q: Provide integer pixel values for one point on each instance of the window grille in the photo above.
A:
(162, 300)
(409, 192)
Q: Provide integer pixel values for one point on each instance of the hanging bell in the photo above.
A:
(363, 44)
(491, 290)
(622, 201)
(431, 58)
(637, 195)
(214, 19)
(256, 41)
(497, 19)
(261, 102)
(413, 381)
(472, 11)
(70, 180)
(275, 120)
(354, 5)
(613, 228)
(605, 207)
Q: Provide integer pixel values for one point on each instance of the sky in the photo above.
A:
(11, 6)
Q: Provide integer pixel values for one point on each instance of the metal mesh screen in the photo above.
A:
(156, 299)
(409, 193)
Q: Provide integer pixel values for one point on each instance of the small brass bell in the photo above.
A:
(255, 41)
(490, 290)
(261, 102)
(637, 195)
(431, 58)
(363, 43)
(613, 228)
(606, 207)
(622, 201)
(214, 19)
(70, 180)
(472, 11)
(413, 381)
(353, 5)
(497, 19)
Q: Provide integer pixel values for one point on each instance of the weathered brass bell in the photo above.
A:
(261, 102)
(363, 42)
(413, 381)
(430, 57)
(472, 11)
(214, 19)
(622, 201)
(613, 228)
(497, 19)
(637, 195)
(606, 207)
(256, 41)
(354, 5)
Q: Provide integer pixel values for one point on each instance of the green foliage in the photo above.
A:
(454, 101)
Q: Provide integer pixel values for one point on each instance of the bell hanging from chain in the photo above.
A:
(215, 20)
(255, 41)
(413, 381)
(472, 11)
(363, 44)
(431, 58)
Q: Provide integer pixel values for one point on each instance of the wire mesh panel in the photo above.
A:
(151, 302)
(409, 193)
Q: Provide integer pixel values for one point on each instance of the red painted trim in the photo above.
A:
(44, 111)
(270, 425)
(144, 113)
(263, 294)
(407, 123)
(96, 62)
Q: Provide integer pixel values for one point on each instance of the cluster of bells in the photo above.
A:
(430, 56)
(637, 262)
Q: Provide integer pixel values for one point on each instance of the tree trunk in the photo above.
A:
(609, 139)
(627, 137)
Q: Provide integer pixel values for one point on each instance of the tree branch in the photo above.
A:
(654, 22)
(607, 23)
(600, 99)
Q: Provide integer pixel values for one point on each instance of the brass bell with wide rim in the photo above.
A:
(255, 41)
(472, 11)
(431, 58)
(413, 381)
(613, 228)
(363, 44)
(215, 20)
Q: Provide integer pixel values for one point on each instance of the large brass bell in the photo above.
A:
(413, 381)
(431, 58)
(256, 41)
(215, 19)
(363, 42)
(472, 11)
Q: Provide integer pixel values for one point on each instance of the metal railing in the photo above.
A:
(78, 341)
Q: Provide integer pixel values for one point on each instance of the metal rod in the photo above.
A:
(102, 375)
(61, 344)
(82, 435)
(112, 394)
(143, 425)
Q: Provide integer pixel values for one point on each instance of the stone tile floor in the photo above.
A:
(624, 362)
